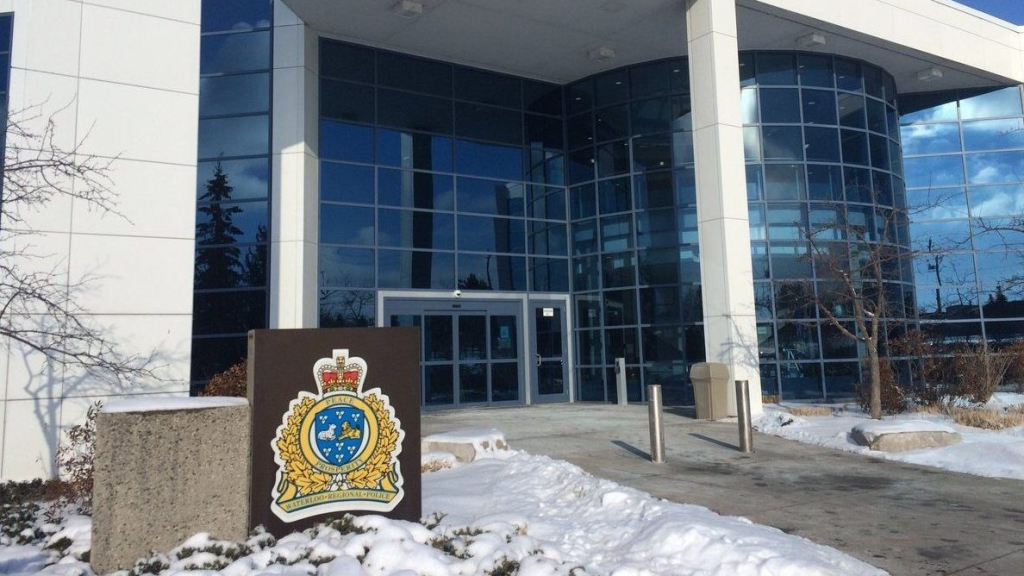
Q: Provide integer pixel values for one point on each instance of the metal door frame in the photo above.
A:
(532, 306)
(449, 297)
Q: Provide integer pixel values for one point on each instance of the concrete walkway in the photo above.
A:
(908, 520)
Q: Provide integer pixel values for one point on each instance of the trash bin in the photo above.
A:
(710, 390)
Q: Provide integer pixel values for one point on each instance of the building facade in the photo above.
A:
(542, 188)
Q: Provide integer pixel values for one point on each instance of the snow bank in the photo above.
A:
(468, 444)
(166, 403)
(610, 529)
(996, 454)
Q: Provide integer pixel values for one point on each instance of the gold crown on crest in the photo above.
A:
(340, 373)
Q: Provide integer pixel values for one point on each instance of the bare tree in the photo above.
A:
(38, 305)
(855, 252)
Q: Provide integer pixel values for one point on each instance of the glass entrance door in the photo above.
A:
(470, 350)
(548, 351)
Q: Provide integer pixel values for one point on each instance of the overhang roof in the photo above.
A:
(552, 40)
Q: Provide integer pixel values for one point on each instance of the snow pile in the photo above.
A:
(875, 428)
(996, 454)
(166, 403)
(610, 529)
(434, 461)
(517, 515)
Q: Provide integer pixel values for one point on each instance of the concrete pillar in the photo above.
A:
(730, 325)
(294, 229)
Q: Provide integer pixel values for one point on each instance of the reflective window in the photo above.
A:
(491, 197)
(409, 189)
(238, 94)
(488, 160)
(346, 183)
(776, 69)
(414, 74)
(819, 107)
(491, 272)
(415, 229)
(416, 269)
(480, 234)
(237, 136)
(411, 150)
(346, 225)
(231, 53)
(930, 139)
(488, 88)
(345, 61)
(340, 141)
(783, 143)
(780, 106)
(346, 101)
(413, 111)
(997, 104)
(993, 134)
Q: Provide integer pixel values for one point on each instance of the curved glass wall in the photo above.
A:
(435, 176)
(635, 260)
(965, 188)
(821, 136)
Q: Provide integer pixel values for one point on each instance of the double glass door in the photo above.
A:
(471, 351)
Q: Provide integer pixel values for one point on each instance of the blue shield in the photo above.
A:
(338, 433)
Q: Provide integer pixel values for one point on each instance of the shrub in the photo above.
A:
(231, 382)
(966, 373)
(74, 462)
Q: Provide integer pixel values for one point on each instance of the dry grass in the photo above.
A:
(810, 411)
(770, 399)
(985, 418)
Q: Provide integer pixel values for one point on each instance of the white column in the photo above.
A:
(730, 326)
(294, 174)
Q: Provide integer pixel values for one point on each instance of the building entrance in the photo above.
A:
(487, 352)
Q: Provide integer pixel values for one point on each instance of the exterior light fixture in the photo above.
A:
(601, 54)
(929, 74)
(812, 40)
(408, 9)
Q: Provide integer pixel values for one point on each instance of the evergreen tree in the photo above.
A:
(221, 267)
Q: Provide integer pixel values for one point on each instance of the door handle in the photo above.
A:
(538, 360)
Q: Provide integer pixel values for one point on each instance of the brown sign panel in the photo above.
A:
(335, 425)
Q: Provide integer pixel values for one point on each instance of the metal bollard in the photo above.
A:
(743, 411)
(657, 427)
(620, 381)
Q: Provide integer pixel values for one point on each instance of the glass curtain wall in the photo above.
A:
(6, 33)
(233, 184)
(635, 267)
(965, 188)
(821, 136)
(435, 177)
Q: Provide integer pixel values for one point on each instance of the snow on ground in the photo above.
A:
(997, 454)
(513, 514)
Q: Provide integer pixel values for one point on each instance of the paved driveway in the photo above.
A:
(909, 520)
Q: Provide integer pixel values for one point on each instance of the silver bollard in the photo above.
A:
(620, 381)
(657, 427)
(743, 411)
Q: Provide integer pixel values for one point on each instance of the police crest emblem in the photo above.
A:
(338, 450)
